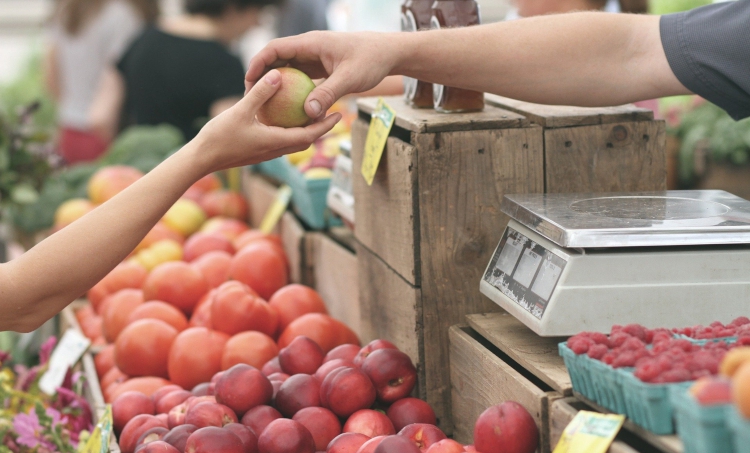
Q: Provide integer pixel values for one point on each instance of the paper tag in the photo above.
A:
(71, 347)
(274, 213)
(590, 432)
(380, 126)
(98, 441)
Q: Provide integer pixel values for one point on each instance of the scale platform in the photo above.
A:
(568, 263)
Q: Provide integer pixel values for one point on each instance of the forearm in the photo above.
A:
(589, 59)
(44, 280)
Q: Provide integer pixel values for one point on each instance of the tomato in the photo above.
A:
(253, 235)
(202, 315)
(97, 294)
(293, 301)
(113, 376)
(143, 347)
(260, 266)
(252, 348)
(214, 266)
(104, 360)
(117, 309)
(236, 309)
(175, 283)
(195, 356)
(146, 385)
(92, 327)
(322, 329)
(207, 183)
(201, 243)
(162, 311)
(159, 232)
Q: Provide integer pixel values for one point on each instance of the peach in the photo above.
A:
(741, 389)
(224, 203)
(347, 390)
(164, 418)
(175, 283)
(164, 391)
(410, 410)
(423, 435)
(170, 400)
(157, 446)
(392, 372)
(370, 423)
(159, 232)
(192, 402)
(185, 217)
(371, 347)
(286, 436)
(210, 414)
(398, 444)
(329, 366)
(344, 352)
(176, 416)
(152, 435)
(371, 445)
(322, 424)
(214, 266)
(298, 392)
(129, 405)
(178, 436)
(134, 429)
(272, 366)
(242, 388)
(214, 440)
(347, 443)
(70, 211)
(200, 389)
(259, 417)
(286, 108)
(446, 446)
(711, 390)
(201, 243)
(733, 359)
(109, 181)
(301, 356)
(506, 428)
(281, 377)
(246, 435)
(229, 228)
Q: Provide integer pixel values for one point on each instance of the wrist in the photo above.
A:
(195, 158)
(403, 52)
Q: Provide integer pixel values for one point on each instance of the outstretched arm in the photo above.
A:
(39, 284)
(586, 59)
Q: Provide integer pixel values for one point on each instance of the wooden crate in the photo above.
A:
(562, 412)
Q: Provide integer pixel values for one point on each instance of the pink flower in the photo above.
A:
(4, 356)
(30, 432)
(45, 350)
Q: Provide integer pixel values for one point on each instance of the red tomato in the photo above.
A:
(143, 347)
(293, 301)
(260, 266)
(117, 310)
(162, 311)
(236, 309)
(195, 356)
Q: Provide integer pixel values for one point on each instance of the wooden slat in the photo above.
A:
(336, 272)
(619, 157)
(428, 120)
(385, 211)
(462, 179)
(480, 379)
(562, 412)
(557, 116)
(292, 238)
(537, 354)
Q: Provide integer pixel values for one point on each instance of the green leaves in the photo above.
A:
(24, 193)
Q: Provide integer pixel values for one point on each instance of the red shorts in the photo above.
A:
(80, 146)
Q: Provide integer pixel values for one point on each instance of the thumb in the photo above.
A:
(261, 91)
(327, 93)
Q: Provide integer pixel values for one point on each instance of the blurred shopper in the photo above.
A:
(301, 16)
(180, 72)
(85, 37)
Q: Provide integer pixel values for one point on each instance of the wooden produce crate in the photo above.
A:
(562, 412)
(496, 359)
(429, 223)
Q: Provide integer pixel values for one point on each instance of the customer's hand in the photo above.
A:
(350, 62)
(236, 138)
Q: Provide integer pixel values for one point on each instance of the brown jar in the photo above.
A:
(416, 15)
(451, 14)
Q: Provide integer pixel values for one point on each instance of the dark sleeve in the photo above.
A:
(228, 78)
(708, 50)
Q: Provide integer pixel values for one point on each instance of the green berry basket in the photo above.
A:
(579, 371)
(594, 379)
(702, 429)
(649, 405)
(739, 428)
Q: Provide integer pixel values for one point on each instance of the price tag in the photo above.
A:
(71, 347)
(98, 441)
(590, 432)
(274, 213)
(380, 126)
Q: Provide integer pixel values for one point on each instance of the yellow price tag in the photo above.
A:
(98, 441)
(274, 213)
(380, 126)
(590, 432)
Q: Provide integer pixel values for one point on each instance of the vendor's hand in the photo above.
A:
(350, 62)
(236, 138)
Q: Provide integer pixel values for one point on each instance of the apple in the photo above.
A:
(371, 347)
(246, 435)
(392, 373)
(301, 356)
(322, 424)
(176, 416)
(446, 446)
(210, 414)
(259, 417)
(506, 428)
(178, 436)
(346, 443)
(343, 352)
(170, 400)
(167, 389)
(329, 366)
(212, 439)
(347, 390)
(286, 436)
(410, 410)
(127, 406)
(286, 108)
(242, 388)
(371, 445)
(272, 366)
(393, 444)
(201, 389)
(298, 392)
(157, 446)
(135, 428)
(423, 435)
(370, 423)
(151, 435)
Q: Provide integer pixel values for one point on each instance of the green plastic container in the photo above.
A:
(649, 405)
(580, 376)
(702, 429)
(594, 379)
(739, 428)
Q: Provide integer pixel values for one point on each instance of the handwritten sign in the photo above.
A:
(380, 126)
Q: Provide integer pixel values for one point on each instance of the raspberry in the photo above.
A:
(636, 330)
(743, 341)
(597, 351)
(600, 338)
(609, 358)
(580, 345)
(617, 339)
(676, 375)
(717, 324)
(633, 344)
(648, 370)
(726, 333)
(685, 345)
(741, 321)
(626, 359)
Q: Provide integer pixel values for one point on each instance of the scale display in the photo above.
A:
(524, 271)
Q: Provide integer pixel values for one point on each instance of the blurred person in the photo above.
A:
(85, 37)
(301, 16)
(179, 72)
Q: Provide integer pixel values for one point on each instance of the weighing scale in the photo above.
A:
(568, 263)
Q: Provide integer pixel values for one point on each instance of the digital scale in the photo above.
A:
(568, 263)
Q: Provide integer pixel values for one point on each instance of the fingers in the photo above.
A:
(262, 91)
(302, 137)
(327, 93)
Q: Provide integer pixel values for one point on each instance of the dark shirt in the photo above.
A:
(174, 80)
(708, 50)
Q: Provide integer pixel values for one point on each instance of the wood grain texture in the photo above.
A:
(336, 280)
(481, 379)
(537, 354)
(562, 412)
(259, 193)
(293, 236)
(462, 179)
(618, 157)
(557, 116)
(386, 211)
(428, 120)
